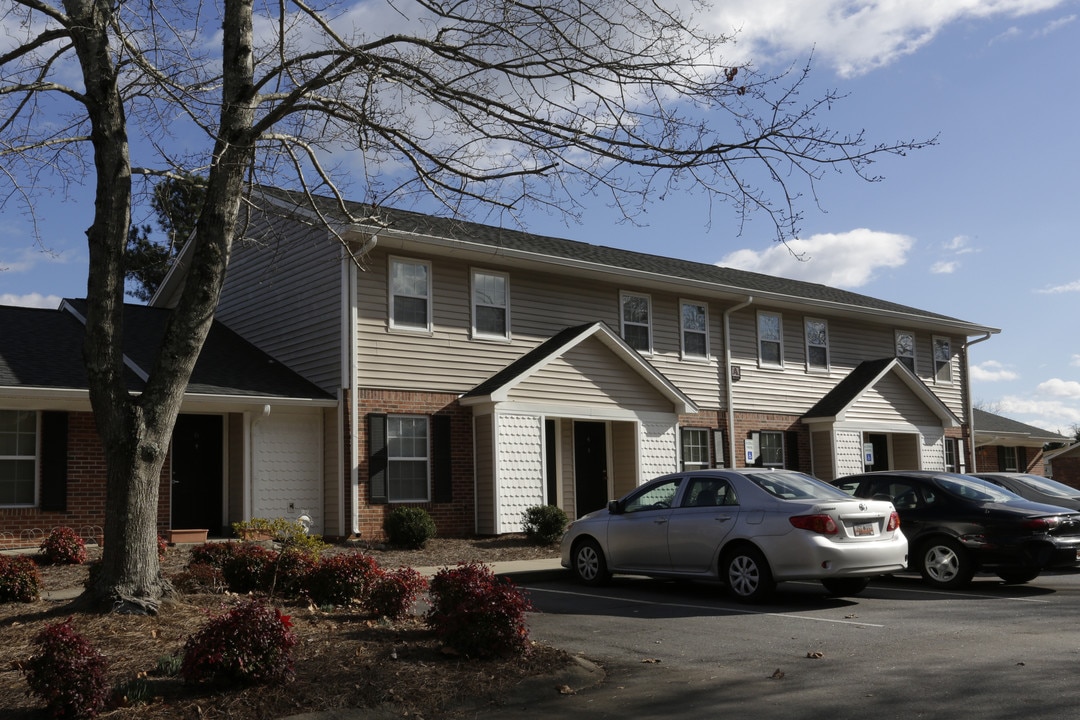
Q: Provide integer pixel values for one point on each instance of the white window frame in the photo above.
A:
(761, 448)
(699, 445)
(824, 345)
(479, 302)
(391, 459)
(427, 296)
(762, 362)
(1012, 464)
(901, 356)
(942, 368)
(624, 323)
(684, 331)
(22, 457)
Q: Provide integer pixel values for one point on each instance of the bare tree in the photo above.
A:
(496, 104)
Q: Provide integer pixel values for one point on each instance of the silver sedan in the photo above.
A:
(748, 528)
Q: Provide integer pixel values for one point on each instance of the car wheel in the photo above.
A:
(845, 586)
(748, 575)
(945, 563)
(1019, 576)
(587, 561)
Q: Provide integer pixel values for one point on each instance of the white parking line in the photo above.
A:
(742, 611)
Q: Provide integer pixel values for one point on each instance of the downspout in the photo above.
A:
(969, 405)
(729, 382)
(351, 265)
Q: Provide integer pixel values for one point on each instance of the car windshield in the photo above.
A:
(794, 486)
(970, 488)
(1048, 486)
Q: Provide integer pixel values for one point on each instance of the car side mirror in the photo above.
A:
(614, 507)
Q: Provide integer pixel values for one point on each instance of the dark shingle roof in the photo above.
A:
(989, 423)
(848, 389)
(723, 278)
(534, 357)
(43, 348)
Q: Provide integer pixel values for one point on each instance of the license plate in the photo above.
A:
(863, 529)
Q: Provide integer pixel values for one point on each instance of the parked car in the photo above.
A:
(958, 524)
(1035, 487)
(748, 528)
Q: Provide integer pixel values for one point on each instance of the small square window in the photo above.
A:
(771, 448)
(695, 448)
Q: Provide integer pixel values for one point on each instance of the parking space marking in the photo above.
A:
(714, 608)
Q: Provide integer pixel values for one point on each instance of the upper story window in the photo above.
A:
(905, 348)
(410, 294)
(770, 339)
(407, 458)
(817, 344)
(637, 321)
(490, 304)
(942, 360)
(18, 457)
(695, 329)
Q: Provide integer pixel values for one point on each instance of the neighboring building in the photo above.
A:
(1004, 445)
(248, 426)
(481, 371)
(1064, 464)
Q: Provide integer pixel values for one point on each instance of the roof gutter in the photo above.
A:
(729, 381)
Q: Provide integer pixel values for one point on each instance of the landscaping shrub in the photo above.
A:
(63, 546)
(287, 533)
(476, 613)
(291, 571)
(67, 672)
(251, 643)
(394, 592)
(544, 524)
(20, 580)
(409, 527)
(213, 554)
(249, 568)
(200, 578)
(162, 548)
(340, 579)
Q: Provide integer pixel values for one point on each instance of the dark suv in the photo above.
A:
(958, 524)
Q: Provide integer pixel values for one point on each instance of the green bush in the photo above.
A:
(67, 672)
(544, 524)
(478, 614)
(63, 546)
(251, 643)
(20, 580)
(287, 533)
(409, 527)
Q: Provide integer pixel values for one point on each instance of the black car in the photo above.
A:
(958, 524)
(1036, 488)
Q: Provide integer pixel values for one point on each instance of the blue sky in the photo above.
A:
(980, 227)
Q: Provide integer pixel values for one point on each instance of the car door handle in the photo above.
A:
(660, 521)
(722, 518)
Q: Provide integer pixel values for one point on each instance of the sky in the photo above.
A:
(980, 226)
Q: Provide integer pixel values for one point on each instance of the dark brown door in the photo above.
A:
(197, 480)
(590, 467)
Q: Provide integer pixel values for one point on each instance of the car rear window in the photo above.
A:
(795, 486)
(973, 489)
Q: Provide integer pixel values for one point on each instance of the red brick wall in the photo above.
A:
(452, 519)
(1067, 470)
(986, 460)
(746, 423)
(25, 527)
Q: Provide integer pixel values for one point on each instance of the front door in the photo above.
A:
(197, 461)
(881, 451)
(590, 467)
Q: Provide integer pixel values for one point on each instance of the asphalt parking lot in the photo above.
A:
(899, 650)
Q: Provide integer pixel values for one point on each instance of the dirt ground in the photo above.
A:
(345, 658)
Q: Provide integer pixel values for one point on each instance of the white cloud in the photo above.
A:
(944, 267)
(1074, 286)
(1057, 388)
(992, 371)
(1054, 415)
(853, 36)
(1075, 361)
(844, 260)
(36, 300)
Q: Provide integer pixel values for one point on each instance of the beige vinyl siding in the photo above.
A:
(624, 463)
(905, 451)
(822, 449)
(888, 400)
(283, 294)
(794, 390)
(569, 489)
(542, 304)
(485, 474)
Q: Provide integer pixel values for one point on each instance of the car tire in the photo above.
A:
(588, 563)
(944, 563)
(747, 575)
(1018, 576)
(845, 587)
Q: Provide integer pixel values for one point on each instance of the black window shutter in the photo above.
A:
(791, 450)
(441, 473)
(1001, 458)
(54, 443)
(1021, 459)
(377, 460)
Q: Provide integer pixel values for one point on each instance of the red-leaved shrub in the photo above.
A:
(63, 546)
(20, 580)
(251, 643)
(477, 613)
(67, 672)
(290, 572)
(249, 568)
(393, 592)
(340, 579)
(215, 554)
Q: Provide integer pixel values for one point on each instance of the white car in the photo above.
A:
(748, 528)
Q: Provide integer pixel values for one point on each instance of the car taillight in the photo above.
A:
(894, 522)
(823, 524)
(1043, 524)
